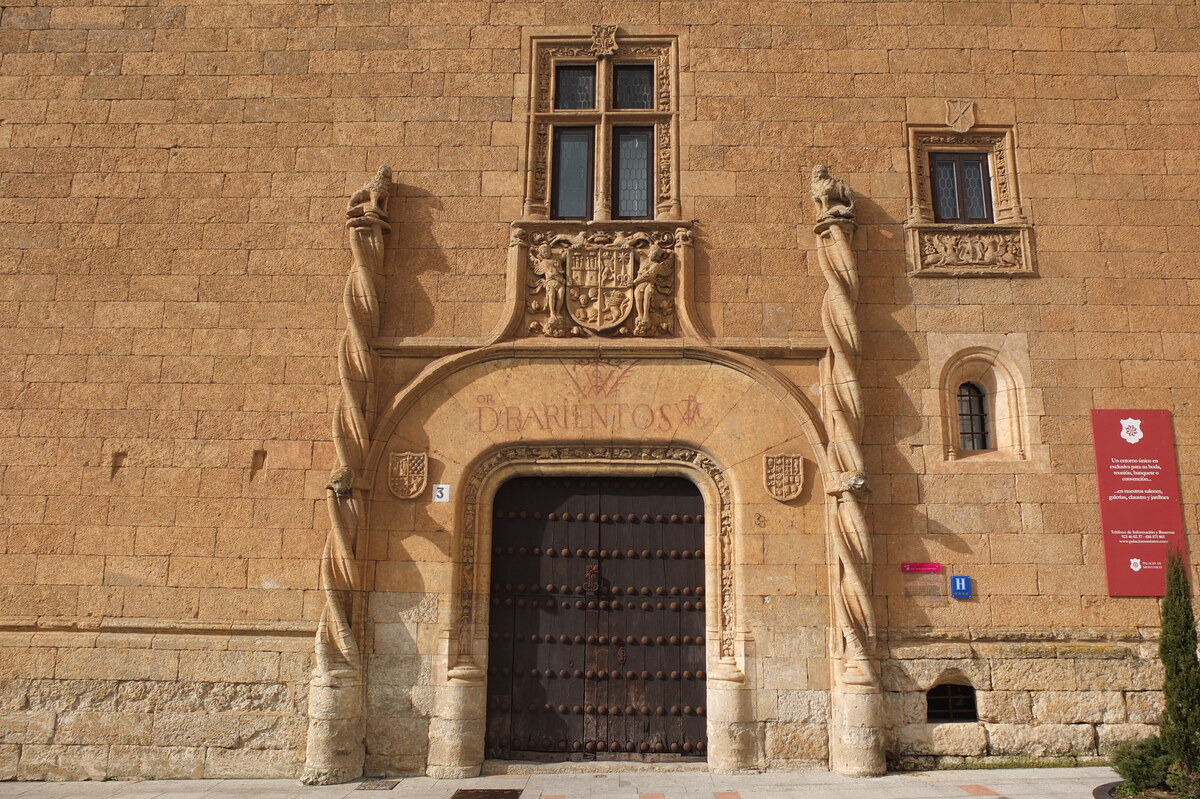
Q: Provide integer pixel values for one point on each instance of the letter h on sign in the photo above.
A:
(960, 587)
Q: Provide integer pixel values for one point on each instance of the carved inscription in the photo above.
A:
(572, 415)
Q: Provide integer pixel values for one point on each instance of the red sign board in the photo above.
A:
(1139, 498)
(920, 568)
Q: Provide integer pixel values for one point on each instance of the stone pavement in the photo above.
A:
(1048, 783)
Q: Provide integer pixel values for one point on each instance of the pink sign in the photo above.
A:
(1140, 512)
(920, 568)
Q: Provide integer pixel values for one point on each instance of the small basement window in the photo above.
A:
(951, 703)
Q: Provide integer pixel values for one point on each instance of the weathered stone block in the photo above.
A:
(1073, 707)
(966, 739)
(156, 762)
(57, 762)
(795, 741)
(1040, 740)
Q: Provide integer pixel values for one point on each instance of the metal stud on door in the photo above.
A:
(596, 643)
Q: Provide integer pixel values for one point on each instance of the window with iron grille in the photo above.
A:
(972, 417)
(951, 703)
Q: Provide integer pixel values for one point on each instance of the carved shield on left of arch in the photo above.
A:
(407, 473)
(784, 476)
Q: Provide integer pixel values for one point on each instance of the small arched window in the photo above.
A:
(972, 418)
(950, 702)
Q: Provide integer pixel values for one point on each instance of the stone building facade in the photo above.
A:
(603, 259)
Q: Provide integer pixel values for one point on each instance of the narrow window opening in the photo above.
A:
(951, 703)
(972, 418)
(631, 172)
(574, 86)
(633, 86)
(571, 182)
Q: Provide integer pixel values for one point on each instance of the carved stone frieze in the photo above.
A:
(965, 250)
(598, 279)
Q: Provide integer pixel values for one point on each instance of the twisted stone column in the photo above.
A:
(856, 741)
(335, 738)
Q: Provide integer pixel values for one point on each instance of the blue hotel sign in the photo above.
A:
(960, 587)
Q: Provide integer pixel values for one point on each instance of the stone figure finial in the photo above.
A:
(371, 200)
(833, 197)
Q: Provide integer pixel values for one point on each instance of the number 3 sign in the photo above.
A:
(441, 492)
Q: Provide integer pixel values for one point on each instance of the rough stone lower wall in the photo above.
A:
(1038, 700)
(87, 705)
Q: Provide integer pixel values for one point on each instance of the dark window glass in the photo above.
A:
(946, 191)
(962, 190)
(571, 190)
(631, 172)
(575, 86)
(633, 86)
(972, 417)
(951, 703)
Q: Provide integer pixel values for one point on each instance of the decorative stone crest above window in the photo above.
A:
(965, 215)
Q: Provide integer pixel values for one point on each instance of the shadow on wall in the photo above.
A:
(413, 261)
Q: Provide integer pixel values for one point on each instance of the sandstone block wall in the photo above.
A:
(172, 180)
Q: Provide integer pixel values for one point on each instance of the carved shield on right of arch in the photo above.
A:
(783, 476)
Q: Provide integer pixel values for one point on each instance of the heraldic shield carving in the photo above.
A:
(784, 476)
(608, 282)
(408, 473)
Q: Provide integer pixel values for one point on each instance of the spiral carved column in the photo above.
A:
(335, 732)
(856, 745)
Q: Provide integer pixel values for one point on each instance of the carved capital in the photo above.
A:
(833, 198)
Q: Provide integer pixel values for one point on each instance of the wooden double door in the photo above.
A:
(596, 640)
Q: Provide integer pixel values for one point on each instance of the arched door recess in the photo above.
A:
(456, 731)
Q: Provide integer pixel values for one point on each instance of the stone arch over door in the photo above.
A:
(746, 412)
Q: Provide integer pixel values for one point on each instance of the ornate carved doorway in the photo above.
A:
(596, 639)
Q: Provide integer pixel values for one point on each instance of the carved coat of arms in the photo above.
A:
(960, 115)
(784, 476)
(598, 297)
(408, 473)
(601, 282)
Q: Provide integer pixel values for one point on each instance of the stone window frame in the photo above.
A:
(604, 47)
(1003, 247)
(1004, 405)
